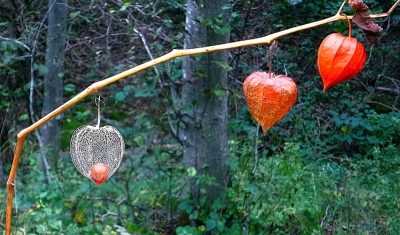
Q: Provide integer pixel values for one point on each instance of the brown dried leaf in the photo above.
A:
(362, 19)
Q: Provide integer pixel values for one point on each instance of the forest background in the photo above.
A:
(330, 166)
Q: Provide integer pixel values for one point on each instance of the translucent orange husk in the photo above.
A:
(269, 97)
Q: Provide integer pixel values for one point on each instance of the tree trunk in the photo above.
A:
(53, 83)
(204, 97)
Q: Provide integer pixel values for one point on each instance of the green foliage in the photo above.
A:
(149, 178)
(4, 103)
(323, 170)
(339, 175)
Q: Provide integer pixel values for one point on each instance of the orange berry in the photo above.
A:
(99, 173)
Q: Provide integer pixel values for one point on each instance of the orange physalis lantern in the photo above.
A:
(269, 97)
(340, 58)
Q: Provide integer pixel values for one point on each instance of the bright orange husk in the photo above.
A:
(99, 173)
(340, 58)
(269, 97)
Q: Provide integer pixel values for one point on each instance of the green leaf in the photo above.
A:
(227, 7)
(69, 87)
(194, 215)
(213, 215)
(145, 93)
(221, 225)
(139, 140)
(127, 89)
(294, 2)
(224, 65)
(43, 70)
(220, 91)
(74, 14)
(61, 74)
(120, 96)
(252, 189)
(55, 224)
(216, 206)
(125, 6)
(186, 205)
(191, 171)
(40, 229)
(210, 224)
(23, 117)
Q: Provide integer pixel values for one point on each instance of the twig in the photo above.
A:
(122, 201)
(172, 90)
(87, 39)
(150, 55)
(16, 41)
(393, 108)
(393, 7)
(119, 211)
(388, 89)
(315, 192)
(98, 101)
(325, 216)
(256, 150)
(171, 125)
(369, 57)
(107, 214)
(95, 87)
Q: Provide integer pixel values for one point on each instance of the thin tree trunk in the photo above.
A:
(53, 82)
(205, 137)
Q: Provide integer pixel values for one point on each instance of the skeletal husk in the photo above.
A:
(91, 145)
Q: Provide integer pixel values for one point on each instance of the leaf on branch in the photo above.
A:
(362, 19)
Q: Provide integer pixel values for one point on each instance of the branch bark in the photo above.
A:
(173, 54)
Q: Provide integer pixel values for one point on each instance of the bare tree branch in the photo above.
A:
(379, 88)
(16, 41)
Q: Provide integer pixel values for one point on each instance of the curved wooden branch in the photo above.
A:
(173, 54)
